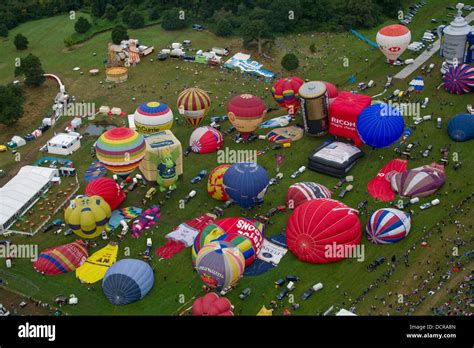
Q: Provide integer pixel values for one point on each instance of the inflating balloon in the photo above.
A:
(215, 185)
(108, 189)
(194, 104)
(212, 305)
(87, 216)
(419, 182)
(459, 79)
(120, 150)
(393, 40)
(387, 226)
(153, 117)
(246, 112)
(61, 259)
(322, 231)
(205, 140)
(285, 93)
(302, 192)
(461, 127)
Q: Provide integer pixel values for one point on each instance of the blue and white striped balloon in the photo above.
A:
(387, 226)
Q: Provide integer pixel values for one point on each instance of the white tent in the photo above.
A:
(19, 141)
(345, 312)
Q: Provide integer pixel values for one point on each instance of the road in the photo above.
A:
(423, 57)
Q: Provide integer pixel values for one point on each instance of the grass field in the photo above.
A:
(149, 81)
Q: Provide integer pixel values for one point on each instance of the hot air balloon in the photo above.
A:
(127, 281)
(459, 79)
(120, 150)
(246, 184)
(380, 125)
(387, 226)
(461, 127)
(61, 259)
(322, 231)
(419, 182)
(332, 91)
(380, 187)
(215, 186)
(305, 191)
(245, 112)
(153, 117)
(285, 93)
(205, 140)
(87, 216)
(194, 104)
(108, 189)
(212, 305)
(393, 40)
(250, 228)
(220, 265)
(97, 264)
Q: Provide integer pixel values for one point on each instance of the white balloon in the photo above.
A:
(393, 40)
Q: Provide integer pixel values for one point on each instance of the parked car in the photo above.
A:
(307, 294)
(292, 278)
(282, 294)
(47, 227)
(198, 27)
(68, 232)
(29, 137)
(280, 282)
(202, 174)
(245, 293)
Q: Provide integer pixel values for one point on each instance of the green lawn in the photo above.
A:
(149, 80)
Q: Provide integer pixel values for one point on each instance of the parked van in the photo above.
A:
(318, 286)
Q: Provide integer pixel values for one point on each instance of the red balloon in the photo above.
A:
(108, 189)
(206, 140)
(322, 231)
(212, 305)
(245, 112)
(331, 89)
(285, 93)
(61, 259)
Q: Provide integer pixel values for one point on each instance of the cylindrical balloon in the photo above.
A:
(220, 265)
(380, 125)
(215, 185)
(87, 216)
(459, 79)
(61, 259)
(194, 104)
(205, 140)
(246, 112)
(108, 189)
(322, 231)
(246, 184)
(153, 117)
(120, 150)
(302, 192)
(387, 226)
(127, 281)
(285, 93)
(393, 40)
(212, 304)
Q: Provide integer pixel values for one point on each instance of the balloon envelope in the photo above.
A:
(120, 150)
(246, 112)
(246, 183)
(153, 117)
(61, 259)
(302, 192)
(108, 189)
(323, 231)
(194, 104)
(285, 93)
(215, 185)
(212, 305)
(380, 125)
(419, 182)
(393, 40)
(459, 79)
(461, 127)
(220, 264)
(205, 140)
(87, 216)
(387, 226)
(127, 281)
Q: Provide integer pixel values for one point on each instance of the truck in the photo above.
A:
(220, 51)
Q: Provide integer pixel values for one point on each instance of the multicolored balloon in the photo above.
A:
(249, 228)
(246, 184)
(220, 265)
(205, 140)
(302, 192)
(387, 226)
(215, 184)
(246, 112)
(61, 259)
(120, 150)
(194, 104)
(459, 79)
(285, 93)
(108, 189)
(419, 182)
(322, 231)
(393, 40)
(87, 216)
(153, 117)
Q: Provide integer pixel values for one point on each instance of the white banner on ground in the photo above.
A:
(271, 252)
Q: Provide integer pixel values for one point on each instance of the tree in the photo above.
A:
(119, 33)
(82, 25)
(98, 8)
(224, 28)
(155, 13)
(172, 20)
(3, 30)
(33, 70)
(11, 104)
(136, 20)
(256, 30)
(110, 12)
(21, 42)
(127, 11)
(290, 62)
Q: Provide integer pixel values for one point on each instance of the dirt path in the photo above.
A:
(12, 301)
